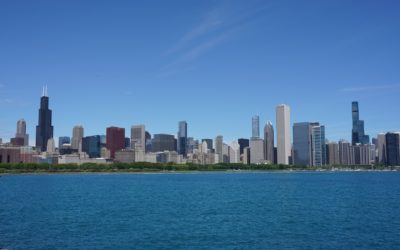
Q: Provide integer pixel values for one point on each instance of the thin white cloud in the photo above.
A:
(370, 88)
(211, 22)
(217, 27)
(6, 100)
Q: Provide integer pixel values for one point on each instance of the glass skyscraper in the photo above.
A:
(44, 129)
(91, 145)
(255, 122)
(357, 132)
(182, 138)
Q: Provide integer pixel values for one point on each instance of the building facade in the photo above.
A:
(283, 133)
(269, 143)
(44, 129)
(115, 140)
(182, 138)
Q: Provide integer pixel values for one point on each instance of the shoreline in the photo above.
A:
(23, 172)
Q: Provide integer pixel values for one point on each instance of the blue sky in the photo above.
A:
(214, 64)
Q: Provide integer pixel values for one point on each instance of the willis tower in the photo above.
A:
(357, 133)
(44, 129)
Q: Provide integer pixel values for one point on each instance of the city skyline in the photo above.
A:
(216, 61)
(281, 111)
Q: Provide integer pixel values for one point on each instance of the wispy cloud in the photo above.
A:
(211, 22)
(370, 88)
(218, 26)
(6, 100)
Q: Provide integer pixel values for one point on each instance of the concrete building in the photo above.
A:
(51, 146)
(115, 140)
(246, 155)
(138, 138)
(381, 148)
(256, 150)
(209, 143)
(346, 153)
(283, 133)
(218, 147)
(269, 143)
(125, 156)
(163, 142)
(333, 153)
(21, 132)
(9, 154)
(77, 135)
(234, 152)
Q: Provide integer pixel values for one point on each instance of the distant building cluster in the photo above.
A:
(309, 146)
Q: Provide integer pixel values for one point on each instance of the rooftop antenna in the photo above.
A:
(46, 91)
(43, 91)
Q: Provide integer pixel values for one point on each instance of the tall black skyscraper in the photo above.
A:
(357, 132)
(44, 129)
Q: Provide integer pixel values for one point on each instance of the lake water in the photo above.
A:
(305, 210)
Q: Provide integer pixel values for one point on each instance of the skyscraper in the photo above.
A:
(63, 140)
(209, 143)
(392, 149)
(77, 135)
(309, 144)
(346, 154)
(91, 146)
(21, 131)
(255, 125)
(302, 144)
(182, 138)
(115, 140)
(138, 137)
(283, 133)
(234, 152)
(332, 153)
(219, 141)
(256, 150)
(357, 132)
(381, 148)
(318, 145)
(269, 142)
(44, 129)
(163, 142)
(243, 142)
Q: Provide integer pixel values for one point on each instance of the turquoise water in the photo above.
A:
(340, 210)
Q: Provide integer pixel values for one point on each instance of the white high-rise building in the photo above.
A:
(138, 138)
(283, 133)
(51, 147)
(218, 147)
(77, 135)
(234, 152)
(256, 150)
